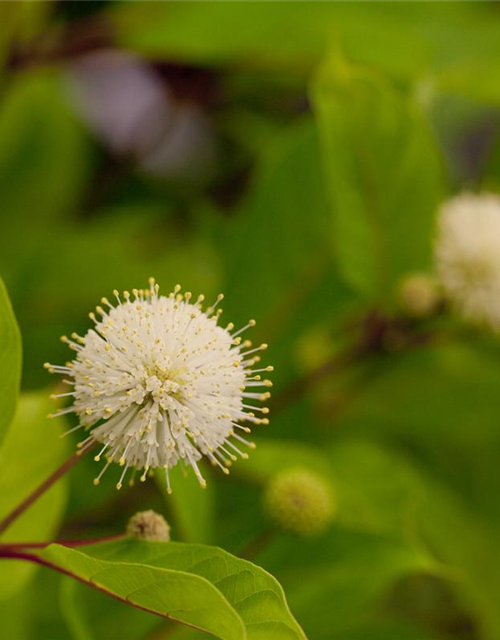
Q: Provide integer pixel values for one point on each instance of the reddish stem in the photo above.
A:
(41, 489)
(373, 331)
(33, 557)
(65, 543)
(299, 387)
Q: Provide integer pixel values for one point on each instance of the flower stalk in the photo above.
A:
(42, 488)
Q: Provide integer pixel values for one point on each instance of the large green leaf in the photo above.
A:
(371, 544)
(176, 595)
(90, 616)
(10, 361)
(71, 610)
(337, 579)
(43, 167)
(273, 456)
(377, 492)
(283, 217)
(383, 174)
(198, 585)
(462, 538)
(366, 629)
(20, 23)
(383, 630)
(393, 519)
(36, 612)
(278, 258)
(406, 40)
(31, 451)
(265, 35)
(42, 153)
(442, 402)
(452, 45)
(382, 490)
(13, 613)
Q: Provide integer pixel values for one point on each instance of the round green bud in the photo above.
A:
(419, 295)
(300, 501)
(148, 525)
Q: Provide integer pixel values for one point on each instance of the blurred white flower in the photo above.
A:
(158, 381)
(468, 256)
(121, 99)
(128, 105)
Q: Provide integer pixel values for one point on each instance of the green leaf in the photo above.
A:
(31, 451)
(20, 23)
(71, 610)
(337, 579)
(286, 200)
(198, 585)
(273, 456)
(10, 361)
(362, 474)
(275, 35)
(371, 545)
(175, 595)
(383, 173)
(384, 630)
(42, 153)
(36, 612)
(462, 539)
(257, 35)
(16, 613)
(376, 491)
(284, 217)
(382, 490)
(103, 618)
(453, 46)
(440, 401)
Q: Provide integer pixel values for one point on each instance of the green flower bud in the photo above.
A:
(300, 501)
(148, 525)
(419, 295)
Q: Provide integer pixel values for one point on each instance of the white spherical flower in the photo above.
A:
(468, 256)
(158, 381)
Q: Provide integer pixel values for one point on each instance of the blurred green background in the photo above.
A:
(293, 156)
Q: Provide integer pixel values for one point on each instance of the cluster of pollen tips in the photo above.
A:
(158, 381)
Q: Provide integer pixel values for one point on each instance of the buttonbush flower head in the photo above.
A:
(300, 501)
(468, 256)
(158, 381)
(419, 295)
(148, 525)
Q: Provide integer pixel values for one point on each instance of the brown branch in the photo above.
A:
(377, 335)
(258, 544)
(65, 543)
(41, 489)
(299, 387)
(370, 339)
(53, 45)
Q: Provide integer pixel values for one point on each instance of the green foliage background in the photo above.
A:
(330, 133)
